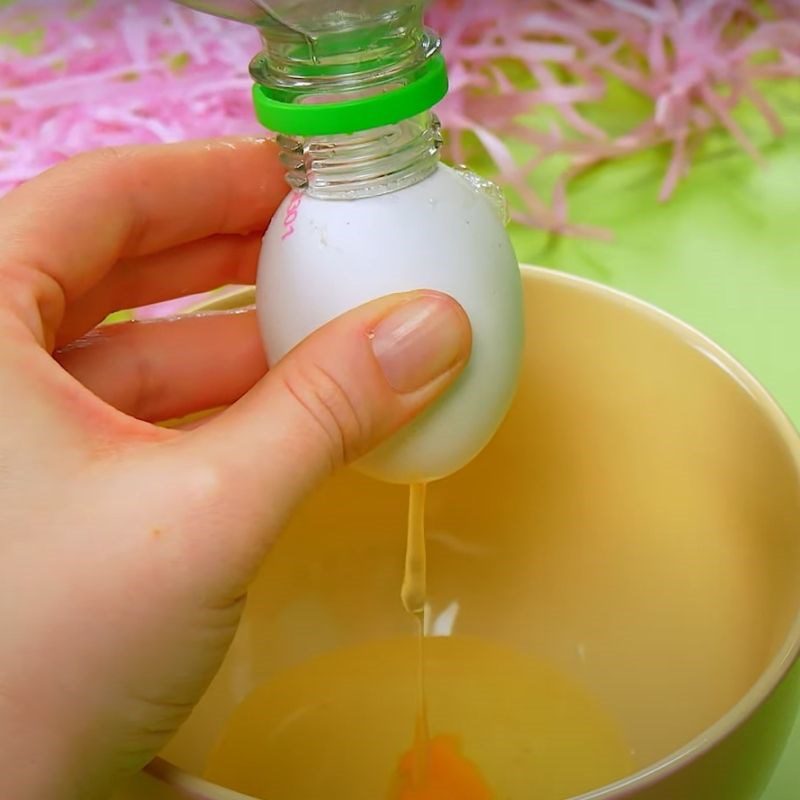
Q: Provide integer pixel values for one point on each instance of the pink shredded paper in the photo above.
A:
(116, 73)
(79, 75)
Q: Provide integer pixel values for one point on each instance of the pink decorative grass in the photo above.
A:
(114, 72)
(692, 61)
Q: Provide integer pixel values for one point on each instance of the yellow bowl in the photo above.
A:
(636, 523)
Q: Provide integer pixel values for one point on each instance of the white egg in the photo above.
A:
(321, 258)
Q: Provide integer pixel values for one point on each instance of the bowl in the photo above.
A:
(635, 523)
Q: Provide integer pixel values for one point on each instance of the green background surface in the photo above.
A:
(723, 255)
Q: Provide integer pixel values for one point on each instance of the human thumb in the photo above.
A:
(333, 398)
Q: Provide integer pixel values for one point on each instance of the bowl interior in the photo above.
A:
(634, 523)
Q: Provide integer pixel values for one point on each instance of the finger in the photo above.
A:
(170, 368)
(336, 396)
(63, 231)
(178, 272)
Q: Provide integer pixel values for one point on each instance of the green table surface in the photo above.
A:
(723, 255)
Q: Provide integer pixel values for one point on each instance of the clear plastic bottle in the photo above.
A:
(350, 87)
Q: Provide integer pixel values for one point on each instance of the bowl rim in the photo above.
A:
(770, 678)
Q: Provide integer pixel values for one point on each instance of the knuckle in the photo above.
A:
(147, 384)
(331, 409)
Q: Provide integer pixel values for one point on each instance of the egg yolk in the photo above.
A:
(447, 774)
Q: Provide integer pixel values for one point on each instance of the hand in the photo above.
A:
(126, 548)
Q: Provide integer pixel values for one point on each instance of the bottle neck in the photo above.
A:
(346, 52)
(365, 164)
(343, 57)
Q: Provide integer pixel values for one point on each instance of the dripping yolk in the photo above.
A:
(447, 775)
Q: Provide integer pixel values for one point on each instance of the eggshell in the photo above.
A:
(321, 258)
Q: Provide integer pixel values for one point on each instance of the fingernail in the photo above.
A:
(419, 341)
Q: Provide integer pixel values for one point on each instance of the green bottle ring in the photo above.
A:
(351, 116)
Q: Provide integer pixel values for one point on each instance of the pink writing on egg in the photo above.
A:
(291, 215)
